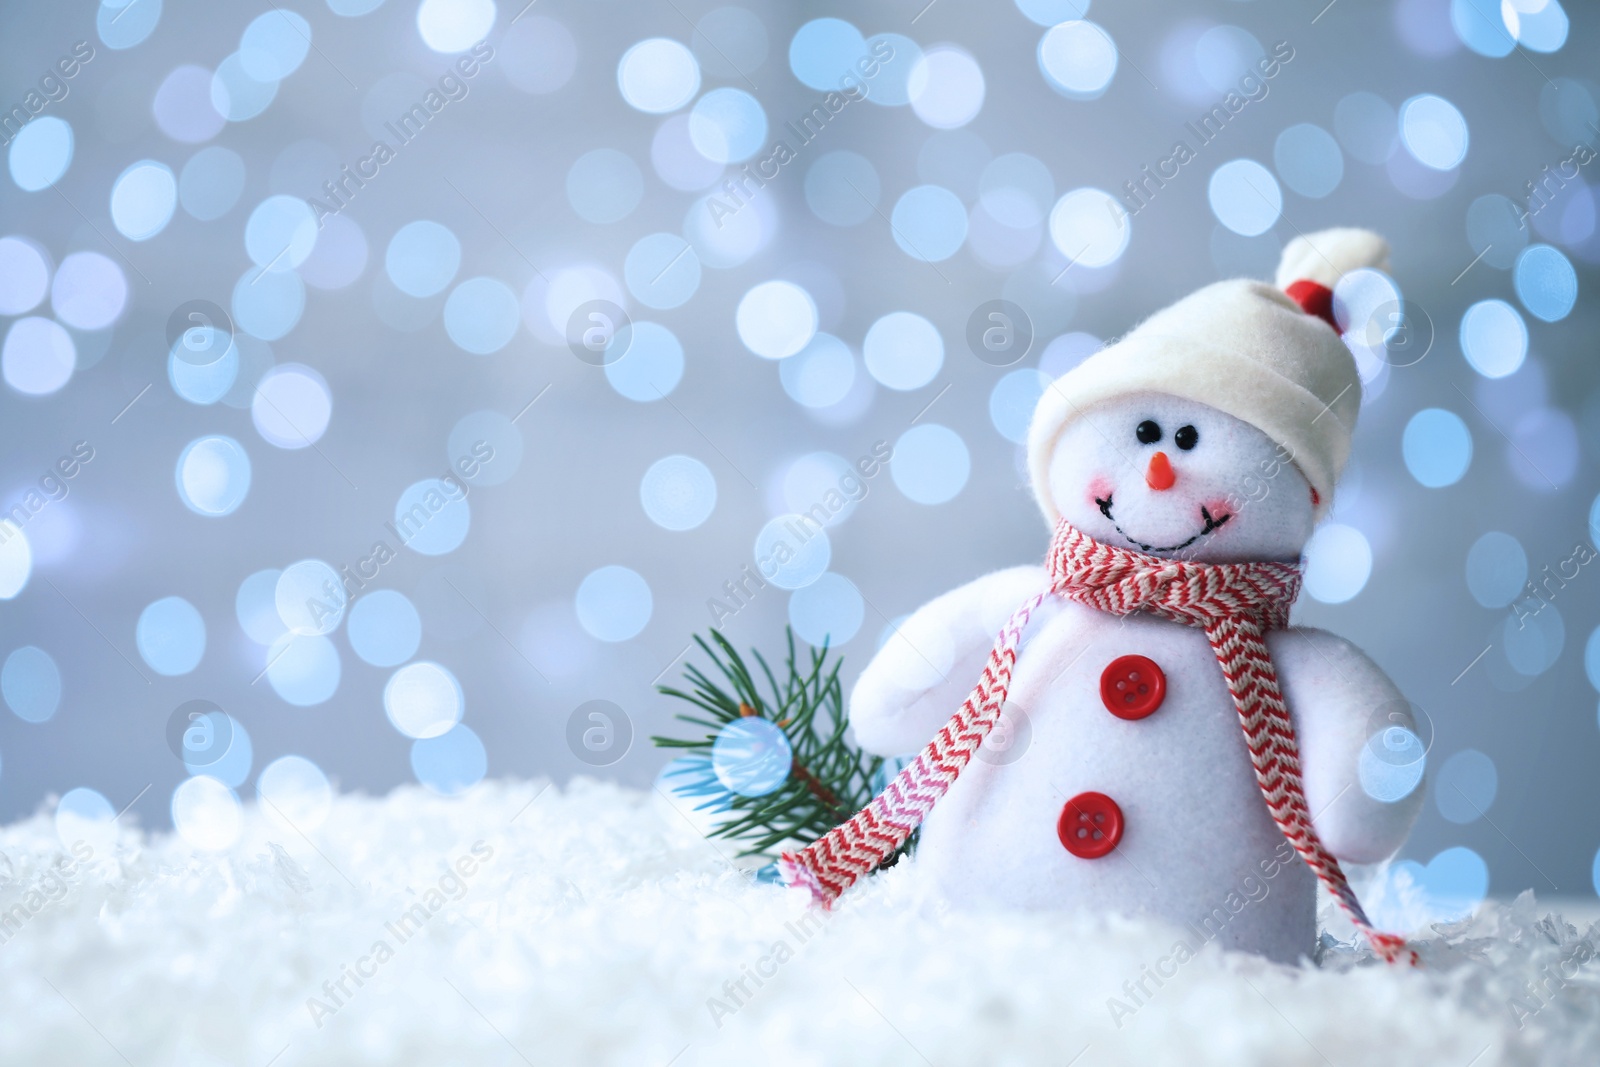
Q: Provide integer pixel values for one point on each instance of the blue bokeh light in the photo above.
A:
(727, 125)
(303, 669)
(432, 517)
(1308, 160)
(452, 763)
(903, 350)
(829, 611)
(1540, 27)
(1495, 229)
(38, 356)
(280, 233)
(929, 223)
(1481, 27)
(182, 106)
(1591, 654)
(291, 406)
(171, 636)
(485, 448)
(203, 383)
(678, 492)
(1078, 59)
(384, 628)
(821, 374)
(1494, 339)
(1497, 568)
(41, 152)
(1437, 447)
(931, 464)
(422, 258)
(24, 275)
(604, 185)
(652, 365)
(294, 789)
(84, 814)
(1434, 131)
(613, 603)
(482, 315)
(890, 86)
(232, 768)
(30, 681)
(423, 700)
(1050, 12)
(1338, 563)
(776, 319)
(143, 198)
(211, 182)
(1245, 197)
(1545, 281)
(1017, 190)
(89, 292)
(662, 270)
(1013, 399)
(1367, 126)
(272, 47)
(947, 87)
(824, 51)
(213, 475)
(1454, 882)
(823, 486)
(792, 551)
(658, 75)
(1534, 638)
(310, 597)
(256, 607)
(125, 25)
(340, 254)
(451, 26)
(237, 96)
(268, 304)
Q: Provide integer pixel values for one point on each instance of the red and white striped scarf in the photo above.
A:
(1234, 603)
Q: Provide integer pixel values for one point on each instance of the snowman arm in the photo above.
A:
(926, 669)
(1339, 700)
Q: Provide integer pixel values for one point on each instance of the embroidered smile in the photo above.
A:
(1210, 525)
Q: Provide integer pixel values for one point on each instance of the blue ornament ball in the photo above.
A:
(752, 757)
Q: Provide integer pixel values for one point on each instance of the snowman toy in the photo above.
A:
(1173, 748)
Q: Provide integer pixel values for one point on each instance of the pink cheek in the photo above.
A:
(1217, 507)
(1100, 488)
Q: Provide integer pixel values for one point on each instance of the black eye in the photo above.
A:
(1148, 432)
(1186, 437)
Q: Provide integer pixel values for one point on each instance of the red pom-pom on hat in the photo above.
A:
(1314, 298)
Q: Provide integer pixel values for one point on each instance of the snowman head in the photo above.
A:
(1217, 429)
(1174, 477)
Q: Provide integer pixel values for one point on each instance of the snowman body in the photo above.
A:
(1134, 710)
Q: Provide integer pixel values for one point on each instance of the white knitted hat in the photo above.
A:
(1262, 353)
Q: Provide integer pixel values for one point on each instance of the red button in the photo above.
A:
(1132, 687)
(1090, 825)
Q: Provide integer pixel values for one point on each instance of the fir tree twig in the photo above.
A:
(829, 780)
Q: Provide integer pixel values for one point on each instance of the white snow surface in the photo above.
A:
(602, 929)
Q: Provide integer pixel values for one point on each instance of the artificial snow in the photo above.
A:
(590, 924)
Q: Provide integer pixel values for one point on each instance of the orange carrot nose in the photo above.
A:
(1160, 475)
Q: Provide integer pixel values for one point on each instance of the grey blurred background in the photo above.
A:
(1429, 127)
